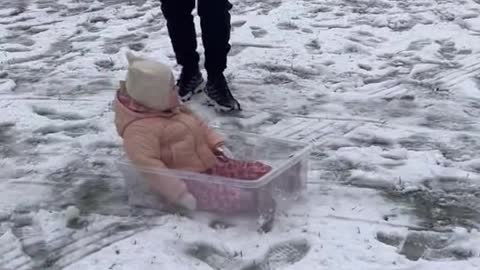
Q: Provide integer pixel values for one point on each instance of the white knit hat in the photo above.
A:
(149, 82)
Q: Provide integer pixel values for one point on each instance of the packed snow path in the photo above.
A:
(388, 91)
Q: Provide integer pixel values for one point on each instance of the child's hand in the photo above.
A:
(227, 152)
(188, 201)
(223, 151)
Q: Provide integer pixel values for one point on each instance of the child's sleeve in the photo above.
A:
(143, 149)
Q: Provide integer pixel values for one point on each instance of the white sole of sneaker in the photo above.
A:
(195, 91)
(200, 87)
(220, 108)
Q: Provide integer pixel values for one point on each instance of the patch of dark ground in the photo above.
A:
(440, 205)
(332, 169)
(441, 202)
(7, 140)
(19, 150)
(462, 147)
(104, 196)
(444, 202)
(92, 185)
(426, 245)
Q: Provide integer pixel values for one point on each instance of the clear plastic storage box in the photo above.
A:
(276, 190)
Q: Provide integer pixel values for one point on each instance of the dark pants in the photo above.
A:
(215, 25)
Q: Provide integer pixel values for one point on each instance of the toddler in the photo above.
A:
(160, 132)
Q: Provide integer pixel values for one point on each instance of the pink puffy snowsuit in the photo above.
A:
(179, 140)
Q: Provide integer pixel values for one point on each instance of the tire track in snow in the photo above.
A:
(68, 253)
(90, 248)
(66, 249)
(461, 76)
(310, 130)
(446, 78)
(12, 257)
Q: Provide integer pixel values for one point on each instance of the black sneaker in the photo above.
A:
(189, 84)
(219, 95)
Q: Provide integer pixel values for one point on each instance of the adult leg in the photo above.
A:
(215, 23)
(181, 29)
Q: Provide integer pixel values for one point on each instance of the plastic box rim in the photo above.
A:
(250, 184)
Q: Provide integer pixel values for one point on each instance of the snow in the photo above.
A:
(7, 85)
(387, 91)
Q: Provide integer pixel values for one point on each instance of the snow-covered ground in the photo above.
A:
(387, 90)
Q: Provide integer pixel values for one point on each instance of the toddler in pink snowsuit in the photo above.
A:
(159, 132)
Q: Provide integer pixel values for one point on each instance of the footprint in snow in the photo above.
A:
(278, 256)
